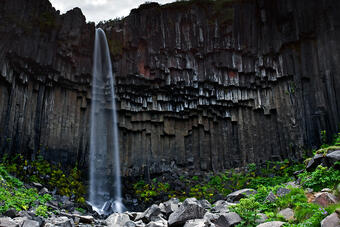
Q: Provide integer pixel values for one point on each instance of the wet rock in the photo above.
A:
(190, 209)
(271, 224)
(229, 219)
(288, 214)
(324, 199)
(117, 220)
(237, 195)
(332, 220)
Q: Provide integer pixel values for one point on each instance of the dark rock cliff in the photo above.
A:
(207, 85)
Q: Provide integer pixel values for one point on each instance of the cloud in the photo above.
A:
(97, 10)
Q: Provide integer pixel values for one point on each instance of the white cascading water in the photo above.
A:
(105, 183)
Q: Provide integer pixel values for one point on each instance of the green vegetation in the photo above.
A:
(272, 174)
(41, 171)
(13, 194)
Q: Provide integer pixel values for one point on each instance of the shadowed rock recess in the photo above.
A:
(207, 85)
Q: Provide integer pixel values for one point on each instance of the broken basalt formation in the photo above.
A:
(203, 84)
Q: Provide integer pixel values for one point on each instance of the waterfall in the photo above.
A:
(105, 184)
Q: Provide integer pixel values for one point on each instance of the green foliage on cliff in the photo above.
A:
(13, 194)
(46, 22)
(41, 171)
(211, 188)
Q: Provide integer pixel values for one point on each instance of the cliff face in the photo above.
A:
(45, 73)
(204, 85)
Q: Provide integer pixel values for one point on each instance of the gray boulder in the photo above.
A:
(130, 224)
(159, 223)
(221, 206)
(288, 214)
(169, 206)
(30, 223)
(332, 220)
(237, 195)
(314, 162)
(197, 223)
(149, 213)
(210, 217)
(117, 220)
(271, 224)
(261, 218)
(60, 221)
(282, 192)
(228, 219)
(271, 197)
(324, 199)
(205, 204)
(333, 157)
(7, 222)
(190, 209)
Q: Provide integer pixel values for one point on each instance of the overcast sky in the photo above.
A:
(97, 10)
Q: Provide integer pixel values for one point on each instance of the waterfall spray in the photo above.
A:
(105, 183)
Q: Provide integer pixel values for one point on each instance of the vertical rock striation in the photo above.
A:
(209, 85)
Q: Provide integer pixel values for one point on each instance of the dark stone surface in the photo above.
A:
(194, 88)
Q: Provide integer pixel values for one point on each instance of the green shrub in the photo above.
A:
(321, 177)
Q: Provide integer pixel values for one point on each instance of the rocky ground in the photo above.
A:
(189, 213)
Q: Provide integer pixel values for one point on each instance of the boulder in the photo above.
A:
(237, 195)
(332, 220)
(228, 219)
(158, 223)
(205, 204)
(139, 223)
(282, 192)
(261, 218)
(326, 190)
(197, 223)
(333, 157)
(210, 217)
(43, 191)
(7, 222)
(190, 209)
(149, 213)
(130, 224)
(270, 197)
(30, 223)
(117, 220)
(61, 221)
(288, 214)
(169, 206)
(271, 224)
(221, 206)
(324, 199)
(20, 220)
(314, 162)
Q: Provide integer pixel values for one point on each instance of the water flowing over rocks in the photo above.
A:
(193, 89)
